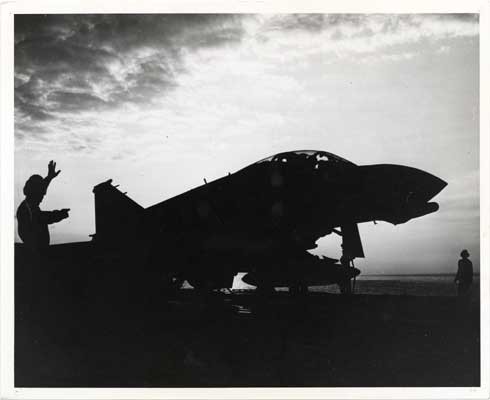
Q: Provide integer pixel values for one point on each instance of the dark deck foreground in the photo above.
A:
(80, 336)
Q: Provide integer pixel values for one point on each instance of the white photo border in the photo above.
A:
(7, 11)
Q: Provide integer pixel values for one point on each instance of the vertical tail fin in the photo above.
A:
(117, 217)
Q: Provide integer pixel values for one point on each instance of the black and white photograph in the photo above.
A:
(247, 200)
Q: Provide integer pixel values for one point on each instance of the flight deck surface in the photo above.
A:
(244, 340)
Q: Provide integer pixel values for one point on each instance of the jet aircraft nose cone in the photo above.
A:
(401, 182)
(421, 186)
(396, 193)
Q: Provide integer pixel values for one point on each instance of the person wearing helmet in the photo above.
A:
(32, 222)
(464, 276)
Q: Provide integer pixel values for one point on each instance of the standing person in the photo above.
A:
(33, 266)
(32, 222)
(464, 276)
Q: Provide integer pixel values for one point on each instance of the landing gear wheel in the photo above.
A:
(346, 287)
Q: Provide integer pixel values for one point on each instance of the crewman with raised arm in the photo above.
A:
(32, 221)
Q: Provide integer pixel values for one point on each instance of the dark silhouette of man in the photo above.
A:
(32, 222)
(464, 276)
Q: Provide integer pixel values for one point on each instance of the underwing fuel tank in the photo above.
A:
(333, 274)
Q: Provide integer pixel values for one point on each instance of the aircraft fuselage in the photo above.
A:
(264, 214)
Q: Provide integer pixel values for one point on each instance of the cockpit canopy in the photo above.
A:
(312, 158)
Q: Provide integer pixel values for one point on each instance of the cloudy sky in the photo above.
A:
(159, 102)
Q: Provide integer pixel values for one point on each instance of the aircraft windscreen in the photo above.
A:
(310, 156)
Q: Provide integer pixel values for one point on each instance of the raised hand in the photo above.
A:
(64, 213)
(52, 173)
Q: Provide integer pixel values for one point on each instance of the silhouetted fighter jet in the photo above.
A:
(261, 220)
